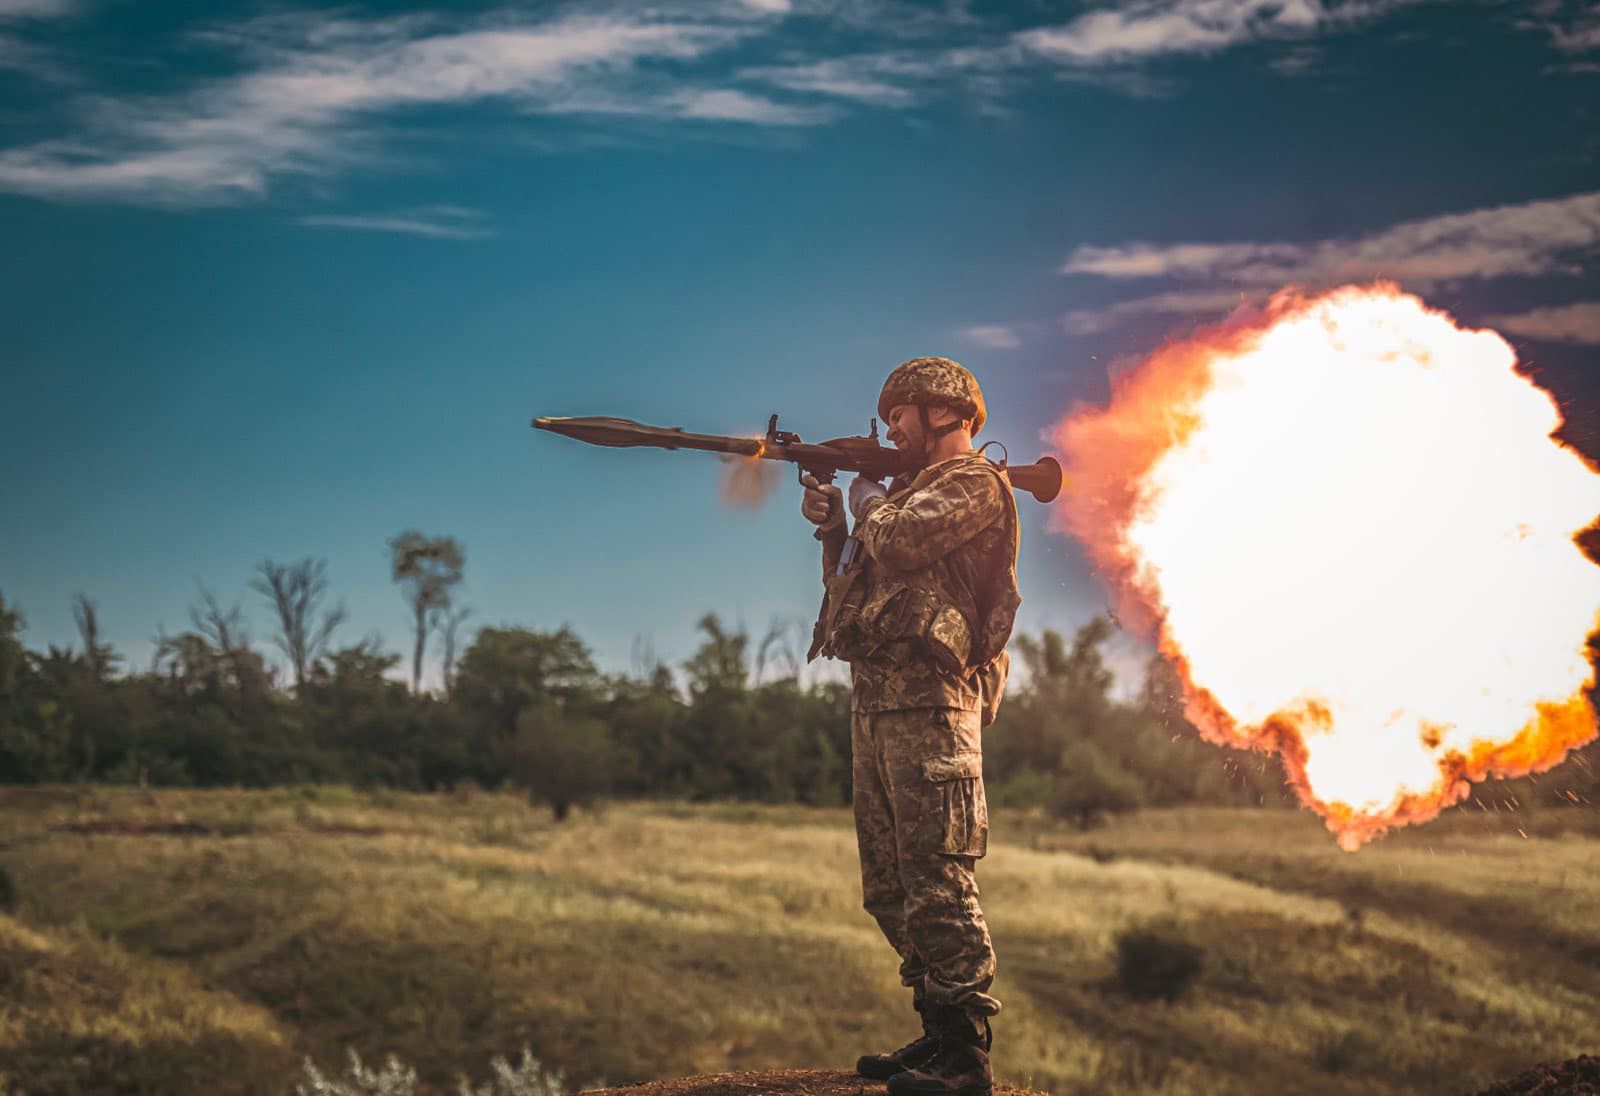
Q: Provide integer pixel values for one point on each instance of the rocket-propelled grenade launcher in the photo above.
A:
(824, 460)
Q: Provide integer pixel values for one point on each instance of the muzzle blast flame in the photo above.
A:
(747, 482)
(1345, 521)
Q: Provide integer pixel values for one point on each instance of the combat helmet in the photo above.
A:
(934, 382)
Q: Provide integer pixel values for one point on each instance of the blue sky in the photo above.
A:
(284, 281)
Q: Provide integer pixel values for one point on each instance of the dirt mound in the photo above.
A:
(1578, 1077)
(796, 1082)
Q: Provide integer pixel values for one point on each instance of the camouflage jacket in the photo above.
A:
(948, 535)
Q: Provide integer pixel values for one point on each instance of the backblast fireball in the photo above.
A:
(1346, 522)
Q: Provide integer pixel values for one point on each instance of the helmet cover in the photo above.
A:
(934, 382)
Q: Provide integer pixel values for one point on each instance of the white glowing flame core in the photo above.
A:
(1371, 516)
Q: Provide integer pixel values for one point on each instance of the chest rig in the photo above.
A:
(870, 612)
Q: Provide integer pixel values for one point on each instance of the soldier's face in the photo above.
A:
(905, 428)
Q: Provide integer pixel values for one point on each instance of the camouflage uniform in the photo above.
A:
(947, 539)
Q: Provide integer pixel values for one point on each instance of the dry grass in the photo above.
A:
(660, 940)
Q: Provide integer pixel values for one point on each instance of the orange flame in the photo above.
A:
(1346, 522)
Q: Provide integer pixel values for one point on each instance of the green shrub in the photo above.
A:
(1157, 961)
(1091, 786)
(1022, 791)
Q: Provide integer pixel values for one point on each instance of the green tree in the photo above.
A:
(1065, 698)
(509, 669)
(13, 656)
(33, 728)
(646, 719)
(561, 758)
(365, 726)
(427, 569)
(720, 729)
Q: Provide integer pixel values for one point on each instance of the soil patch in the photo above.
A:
(795, 1082)
(1578, 1077)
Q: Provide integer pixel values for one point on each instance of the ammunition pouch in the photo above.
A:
(856, 625)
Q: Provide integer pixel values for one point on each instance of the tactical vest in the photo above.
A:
(957, 612)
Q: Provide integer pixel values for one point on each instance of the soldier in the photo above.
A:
(920, 599)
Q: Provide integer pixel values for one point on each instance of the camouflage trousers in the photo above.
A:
(921, 825)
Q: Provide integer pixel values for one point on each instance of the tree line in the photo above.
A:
(529, 709)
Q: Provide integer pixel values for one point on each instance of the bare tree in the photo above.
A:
(648, 668)
(222, 628)
(296, 591)
(225, 630)
(216, 657)
(426, 568)
(777, 642)
(447, 621)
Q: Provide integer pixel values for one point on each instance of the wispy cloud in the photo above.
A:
(1532, 239)
(1568, 323)
(313, 93)
(433, 222)
(993, 336)
(1112, 46)
(729, 105)
(318, 90)
(36, 9)
(20, 55)
(1573, 28)
(870, 79)
(1145, 29)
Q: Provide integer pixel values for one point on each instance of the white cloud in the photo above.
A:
(1572, 28)
(313, 93)
(900, 77)
(1568, 323)
(862, 79)
(320, 88)
(36, 9)
(1110, 46)
(727, 105)
(20, 55)
(993, 336)
(433, 222)
(1145, 29)
(1533, 238)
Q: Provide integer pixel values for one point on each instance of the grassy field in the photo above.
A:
(206, 941)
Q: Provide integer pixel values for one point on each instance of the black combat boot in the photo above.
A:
(880, 1067)
(960, 1067)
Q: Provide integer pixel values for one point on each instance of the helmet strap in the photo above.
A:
(927, 432)
(931, 432)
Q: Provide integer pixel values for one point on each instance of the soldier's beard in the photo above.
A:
(916, 447)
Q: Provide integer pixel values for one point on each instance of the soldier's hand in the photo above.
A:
(862, 491)
(822, 504)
